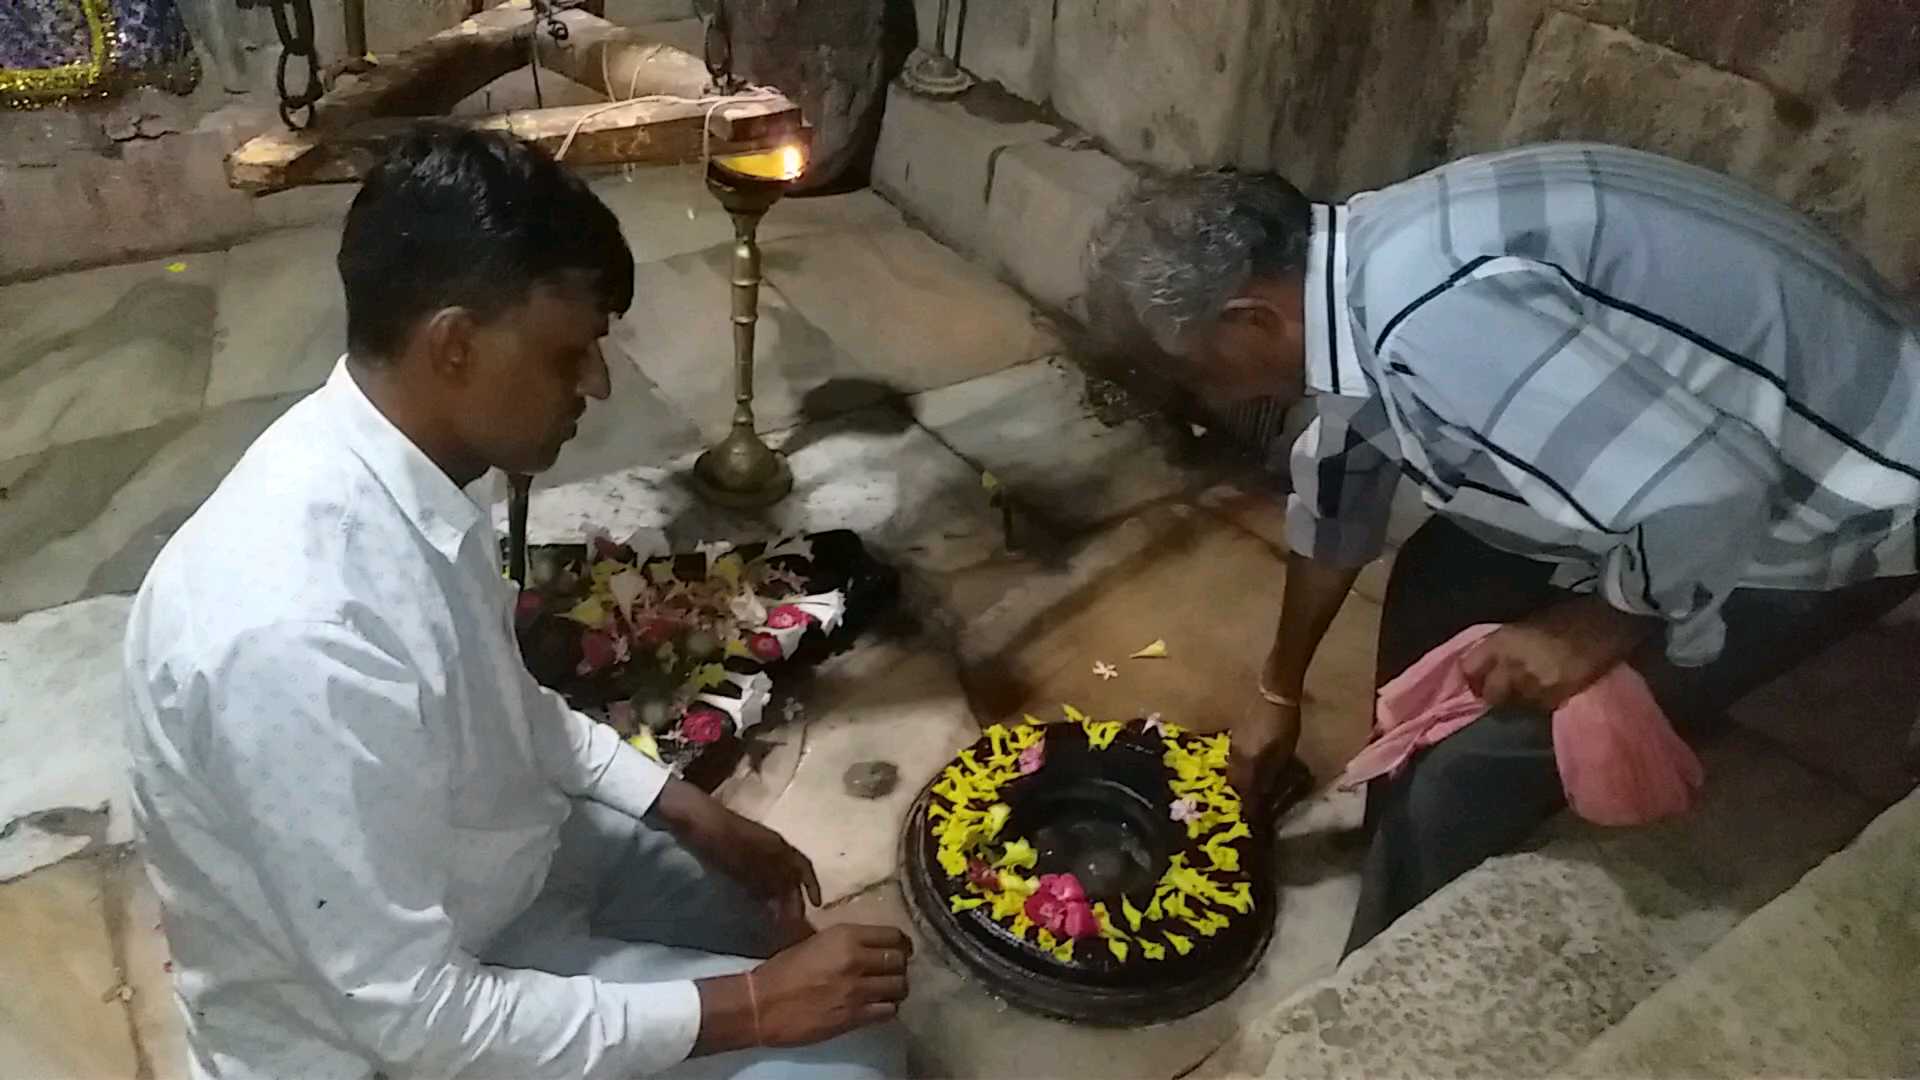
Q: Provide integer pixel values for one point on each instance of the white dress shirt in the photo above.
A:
(347, 782)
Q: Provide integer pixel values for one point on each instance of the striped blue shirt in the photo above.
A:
(1667, 383)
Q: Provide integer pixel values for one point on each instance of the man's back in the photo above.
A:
(1653, 244)
(321, 539)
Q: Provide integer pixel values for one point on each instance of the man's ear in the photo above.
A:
(448, 338)
(1257, 312)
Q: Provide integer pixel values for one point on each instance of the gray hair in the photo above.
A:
(1173, 251)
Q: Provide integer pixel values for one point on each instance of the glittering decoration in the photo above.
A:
(53, 51)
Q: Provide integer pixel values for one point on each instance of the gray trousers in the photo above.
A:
(626, 902)
(1483, 790)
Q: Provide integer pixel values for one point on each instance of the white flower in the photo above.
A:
(747, 608)
(1105, 670)
(713, 549)
(1184, 810)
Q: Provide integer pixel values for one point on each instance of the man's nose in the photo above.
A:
(596, 382)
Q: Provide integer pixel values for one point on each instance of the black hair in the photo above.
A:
(472, 219)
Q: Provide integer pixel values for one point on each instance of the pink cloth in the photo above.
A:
(1620, 761)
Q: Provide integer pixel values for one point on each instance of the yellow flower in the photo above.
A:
(660, 571)
(1015, 885)
(1132, 913)
(1101, 735)
(603, 571)
(966, 903)
(1045, 938)
(642, 741)
(1181, 945)
(1153, 950)
(737, 648)
(1021, 924)
(1119, 950)
(1007, 904)
(1018, 855)
(1074, 714)
(728, 568)
(1063, 952)
(1107, 929)
(591, 612)
(997, 816)
(953, 862)
(707, 676)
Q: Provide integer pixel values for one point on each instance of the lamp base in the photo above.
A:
(742, 473)
(932, 74)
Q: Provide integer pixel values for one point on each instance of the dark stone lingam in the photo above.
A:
(1103, 816)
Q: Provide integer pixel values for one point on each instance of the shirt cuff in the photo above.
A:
(661, 1020)
(632, 782)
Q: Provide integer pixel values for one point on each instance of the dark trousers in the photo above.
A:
(1482, 791)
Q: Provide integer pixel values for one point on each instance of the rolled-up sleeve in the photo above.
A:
(1343, 483)
(356, 877)
(1600, 440)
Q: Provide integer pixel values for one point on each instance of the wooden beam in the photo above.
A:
(359, 123)
(436, 74)
(627, 133)
(621, 63)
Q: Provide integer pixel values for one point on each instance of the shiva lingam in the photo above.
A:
(741, 471)
(1101, 812)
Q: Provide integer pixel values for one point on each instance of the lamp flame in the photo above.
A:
(792, 162)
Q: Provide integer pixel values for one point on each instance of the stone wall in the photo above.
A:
(1817, 101)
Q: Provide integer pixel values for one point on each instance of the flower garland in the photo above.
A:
(671, 640)
(966, 819)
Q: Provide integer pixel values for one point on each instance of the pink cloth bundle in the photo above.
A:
(1619, 759)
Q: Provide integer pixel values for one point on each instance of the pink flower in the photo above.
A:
(765, 648)
(983, 876)
(596, 651)
(703, 724)
(1032, 758)
(1060, 905)
(655, 632)
(787, 616)
(1184, 810)
(527, 608)
(1064, 886)
(1080, 922)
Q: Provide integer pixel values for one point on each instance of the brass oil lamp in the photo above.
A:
(740, 470)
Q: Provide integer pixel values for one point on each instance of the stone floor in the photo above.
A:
(896, 374)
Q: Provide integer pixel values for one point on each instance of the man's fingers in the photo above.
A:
(883, 988)
(883, 937)
(878, 1012)
(1497, 687)
(809, 880)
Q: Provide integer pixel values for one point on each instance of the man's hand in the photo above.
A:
(1547, 658)
(841, 978)
(747, 851)
(1263, 743)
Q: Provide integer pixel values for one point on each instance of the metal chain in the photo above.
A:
(295, 29)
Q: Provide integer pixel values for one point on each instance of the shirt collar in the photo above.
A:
(1333, 362)
(426, 495)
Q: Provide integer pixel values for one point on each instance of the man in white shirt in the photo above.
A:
(381, 848)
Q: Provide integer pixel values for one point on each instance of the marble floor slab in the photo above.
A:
(99, 511)
(63, 759)
(1033, 428)
(103, 352)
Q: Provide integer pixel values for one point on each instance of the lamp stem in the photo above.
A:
(940, 31)
(746, 313)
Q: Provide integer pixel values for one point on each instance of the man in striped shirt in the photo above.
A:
(1662, 420)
